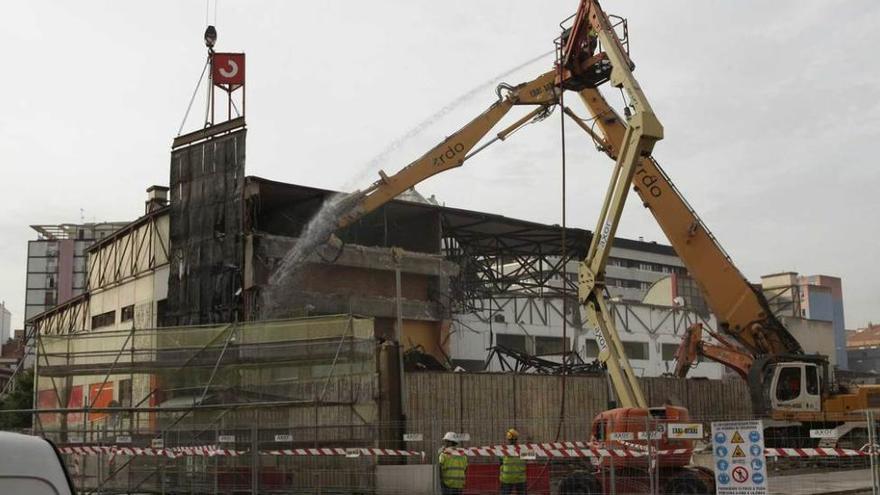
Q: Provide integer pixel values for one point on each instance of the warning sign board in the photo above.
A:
(738, 449)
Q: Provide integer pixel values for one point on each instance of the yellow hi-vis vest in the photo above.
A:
(452, 469)
(513, 470)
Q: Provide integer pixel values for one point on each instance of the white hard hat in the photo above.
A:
(450, 436)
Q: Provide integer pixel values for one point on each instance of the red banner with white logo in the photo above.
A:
(228, 68)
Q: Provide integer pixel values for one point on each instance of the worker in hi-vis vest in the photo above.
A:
(453, 466)
(513, 468)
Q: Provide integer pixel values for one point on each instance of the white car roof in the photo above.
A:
(30, 463)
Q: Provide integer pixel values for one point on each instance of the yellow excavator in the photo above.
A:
(793, 390)
(590, 53)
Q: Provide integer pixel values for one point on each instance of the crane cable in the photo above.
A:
(562, 262)
(208, 12)
(193, 97)
(563, 253)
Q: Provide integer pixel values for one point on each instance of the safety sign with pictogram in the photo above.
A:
(738, 447)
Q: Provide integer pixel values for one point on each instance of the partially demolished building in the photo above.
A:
(170, 341)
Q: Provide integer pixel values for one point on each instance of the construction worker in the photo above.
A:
(592, 41)
(453, 466)
(513, 468)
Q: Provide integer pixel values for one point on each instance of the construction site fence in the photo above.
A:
(393, 457)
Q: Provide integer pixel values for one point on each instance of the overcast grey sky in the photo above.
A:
(771, 112)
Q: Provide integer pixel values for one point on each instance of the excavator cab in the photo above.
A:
(787, 387)
(796, 386)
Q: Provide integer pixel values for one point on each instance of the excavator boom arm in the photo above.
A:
(454, 150)
(693, 346)
(741, 310)
(643, 131)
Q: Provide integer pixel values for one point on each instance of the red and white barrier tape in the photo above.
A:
(105, 449)
(351, 452)
(555, 449)
(85, 449)
(578, 449)
(204, 450)
(550, 450)
(211, 451)
(817, 452)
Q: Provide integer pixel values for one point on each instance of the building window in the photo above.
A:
(125, 392)
(38, 265)
(550, 345)
(127, 313)
(49, 299)
(668, 351)
(788, 385)
(812, 380)
(511, 341)
(636, 350)
(624, 262)
(104, 319)
(162, 316)
(591, 348)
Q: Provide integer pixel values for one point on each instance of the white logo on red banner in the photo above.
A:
(228, 68)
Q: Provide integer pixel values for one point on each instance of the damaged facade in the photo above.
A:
(467, 280)
(173, 330)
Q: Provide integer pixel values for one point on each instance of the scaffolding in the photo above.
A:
(240, 387)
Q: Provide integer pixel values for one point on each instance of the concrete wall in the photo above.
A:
(131, 269)
(412, 479)
(143, 293)
(486, 404)
(815, 336)
(356, 279)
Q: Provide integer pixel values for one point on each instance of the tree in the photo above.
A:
(21, 397)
